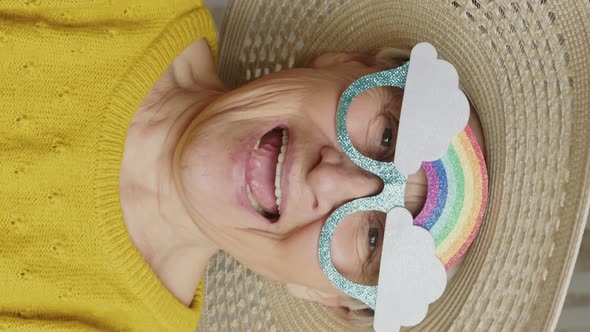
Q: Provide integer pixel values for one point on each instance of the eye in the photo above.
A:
(387, 137)
(372, 122)
(373, 237)
(374, 233)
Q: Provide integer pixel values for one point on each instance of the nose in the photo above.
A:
(336, 180)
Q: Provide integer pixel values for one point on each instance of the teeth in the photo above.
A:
(278, 192)
(253, 200)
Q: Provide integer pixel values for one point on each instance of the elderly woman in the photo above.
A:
(127, 164)
(123, 179)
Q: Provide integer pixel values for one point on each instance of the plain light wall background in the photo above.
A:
(217, 7)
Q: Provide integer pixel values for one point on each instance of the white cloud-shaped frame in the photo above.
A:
(411, 276)
(434, 110)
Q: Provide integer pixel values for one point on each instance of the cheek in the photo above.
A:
(320, 108)
(345, 256)
(299, 254)
(299, 262)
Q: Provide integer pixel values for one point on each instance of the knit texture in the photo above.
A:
(72, 74)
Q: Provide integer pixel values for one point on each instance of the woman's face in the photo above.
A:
(276, 137)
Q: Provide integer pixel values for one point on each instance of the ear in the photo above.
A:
(195, 67)
(333, 301)
(335, 59)
(329, 300)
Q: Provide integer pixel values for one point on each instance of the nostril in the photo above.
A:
(336, 180)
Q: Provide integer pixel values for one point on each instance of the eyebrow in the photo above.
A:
(388, 107)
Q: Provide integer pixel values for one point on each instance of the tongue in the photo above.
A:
(261, 171)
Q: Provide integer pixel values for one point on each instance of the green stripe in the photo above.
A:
(455, 210)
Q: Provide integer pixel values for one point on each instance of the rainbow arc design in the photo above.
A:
(457, 197)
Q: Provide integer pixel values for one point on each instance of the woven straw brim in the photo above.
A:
(525, 66)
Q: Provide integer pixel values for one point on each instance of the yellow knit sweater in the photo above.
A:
(72, 74)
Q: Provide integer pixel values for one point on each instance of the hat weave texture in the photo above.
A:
(525, 65)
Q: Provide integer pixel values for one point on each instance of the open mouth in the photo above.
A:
(263, 173)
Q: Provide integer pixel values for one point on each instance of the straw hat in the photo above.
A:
(525, 65)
